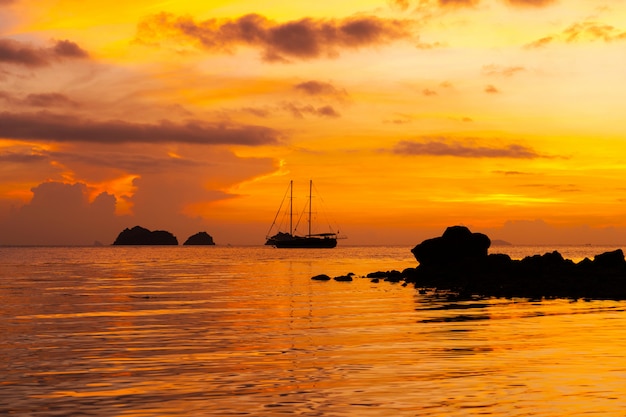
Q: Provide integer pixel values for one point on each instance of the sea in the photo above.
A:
(244, 331)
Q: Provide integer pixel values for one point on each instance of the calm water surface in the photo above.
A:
(220, 331)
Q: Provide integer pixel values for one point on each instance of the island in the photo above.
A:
(142, 236)
(200, 238)
(458, 264)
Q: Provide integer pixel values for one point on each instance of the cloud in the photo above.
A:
(68, 49)
(20, 53)
(49, 100)
(539, 43)
(405, 4)
(318, 88)
(429, 92)
(62, 214)
(458, 3)
(588, 31)
(535, 3)
(299, 111)
(128, 162)
(67, 128)
(327, 111)
(42, 100)
(256, 111)
(501, 71)
(490, 89)
(593, 31)
(442, 147)
(21, 157)
(6, 2)
(298, 39)
(400, 4)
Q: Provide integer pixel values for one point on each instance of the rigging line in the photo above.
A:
(325, 211)
(278, 212)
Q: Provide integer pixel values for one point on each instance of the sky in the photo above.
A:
(409, 116)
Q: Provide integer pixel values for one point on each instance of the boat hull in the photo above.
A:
(296, 242)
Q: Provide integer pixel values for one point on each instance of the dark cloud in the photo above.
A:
(327, 111)
(127, 161)
(68, 49)
(299, 39)
(299, 111)
(66, 128)
(49, 100)
(62, 214)
(256, 111)
(21, 157)
(20, 53)
(318, 88)
(441, 147)
(6, 2)
(429, 92)
(38, 100)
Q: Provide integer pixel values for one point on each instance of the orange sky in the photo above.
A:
(502, 115)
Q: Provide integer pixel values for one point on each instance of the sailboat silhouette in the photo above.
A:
(289, 239)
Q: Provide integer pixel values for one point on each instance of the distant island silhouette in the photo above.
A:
(200, 238)
(458, 264)
(141, 236)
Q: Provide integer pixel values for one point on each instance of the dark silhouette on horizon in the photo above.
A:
(200, 239)
(142, 236)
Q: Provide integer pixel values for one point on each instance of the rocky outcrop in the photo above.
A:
(200, 238)
(141, 236)
(458, 263)
(457, 245)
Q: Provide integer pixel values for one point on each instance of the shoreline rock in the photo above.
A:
(458, 263)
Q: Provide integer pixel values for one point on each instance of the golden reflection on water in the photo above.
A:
(228, 331)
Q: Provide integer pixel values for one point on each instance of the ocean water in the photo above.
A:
(224, 331)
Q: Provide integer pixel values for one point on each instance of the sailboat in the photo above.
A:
(290, 240)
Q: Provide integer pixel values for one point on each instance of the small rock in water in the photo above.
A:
(343, 278)
(321, 277)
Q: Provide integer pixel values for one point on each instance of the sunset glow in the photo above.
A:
(409, 116)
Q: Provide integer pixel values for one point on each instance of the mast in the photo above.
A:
(310, 202)
(291, 208)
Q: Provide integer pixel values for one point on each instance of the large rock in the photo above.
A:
(200, 238)
(457, 245)
(458, 262)
(141, 236)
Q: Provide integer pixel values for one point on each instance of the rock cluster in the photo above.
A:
(458, 262)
